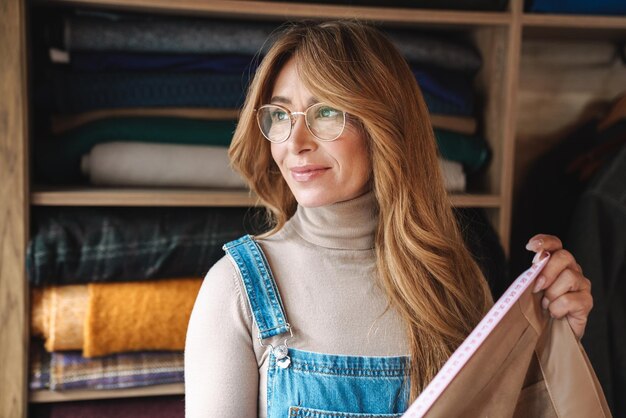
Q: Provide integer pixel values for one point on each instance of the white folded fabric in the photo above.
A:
(453, 175)
(159, 165)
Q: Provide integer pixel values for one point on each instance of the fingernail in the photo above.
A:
(539, 285)
(534, 244)
(544, 303)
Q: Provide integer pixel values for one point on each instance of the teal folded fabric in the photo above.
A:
(57, 160)
(471, 151)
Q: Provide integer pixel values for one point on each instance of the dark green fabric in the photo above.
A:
(57, 160)
(93, 244)
(471, 151)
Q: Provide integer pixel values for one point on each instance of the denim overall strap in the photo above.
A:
(261, 290)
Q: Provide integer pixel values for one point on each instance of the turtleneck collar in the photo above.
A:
(348, 225)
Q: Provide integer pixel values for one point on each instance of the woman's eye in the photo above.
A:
(279, 115)
(327, 112)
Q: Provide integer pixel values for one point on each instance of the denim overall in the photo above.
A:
(306, 384)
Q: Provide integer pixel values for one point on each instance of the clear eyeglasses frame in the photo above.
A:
(324, 122)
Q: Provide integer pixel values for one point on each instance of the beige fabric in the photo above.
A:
(323, 263)
(530, 366)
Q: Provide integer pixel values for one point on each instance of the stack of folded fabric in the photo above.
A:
(113, 290)
(170, 83)
(444, 68)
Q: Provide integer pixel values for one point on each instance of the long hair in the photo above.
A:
(426, 272)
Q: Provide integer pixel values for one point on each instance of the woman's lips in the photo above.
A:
(307, 173)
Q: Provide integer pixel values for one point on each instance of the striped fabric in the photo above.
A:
(70, 370)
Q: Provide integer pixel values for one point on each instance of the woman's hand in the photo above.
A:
(567, 290)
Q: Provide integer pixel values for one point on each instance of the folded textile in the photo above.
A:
(92, 244)
(57, 160)
(136, 316)
(71, 92)
(39, 366)
(610, 7)
(165, 165)
(451, 86)
(148, 407)
(70, 370)
(442, 106)
(453, 175)
(471, 151)
(166, 35)
(87, 61)
(566, 54)
(58, 315)
(436, 51)
(89, 316)
(67, 122)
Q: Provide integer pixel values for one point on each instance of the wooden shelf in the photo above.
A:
(40, 396)
(574, 21)
(574, 26)
(268, 10)
(74, 196)
(187, 197)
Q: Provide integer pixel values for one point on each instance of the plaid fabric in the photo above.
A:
(90, 244)
(70, 370)
(39, 366)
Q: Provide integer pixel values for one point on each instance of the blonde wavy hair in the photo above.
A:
(427, 274)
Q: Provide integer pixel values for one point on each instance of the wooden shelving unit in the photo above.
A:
(498, 35)
(40, 396)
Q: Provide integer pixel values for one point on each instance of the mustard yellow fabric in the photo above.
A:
(137, 316)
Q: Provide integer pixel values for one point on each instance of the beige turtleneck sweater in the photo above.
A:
(323, 263)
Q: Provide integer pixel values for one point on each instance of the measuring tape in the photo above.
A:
(466, 350)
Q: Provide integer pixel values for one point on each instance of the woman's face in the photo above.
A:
(318, 173)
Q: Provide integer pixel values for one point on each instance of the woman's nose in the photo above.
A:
(301, 139)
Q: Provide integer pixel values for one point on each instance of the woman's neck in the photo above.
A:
(349, 225)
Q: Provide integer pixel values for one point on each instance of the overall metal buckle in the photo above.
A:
(281, 352)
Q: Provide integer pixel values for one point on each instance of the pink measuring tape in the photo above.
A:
(466, 350)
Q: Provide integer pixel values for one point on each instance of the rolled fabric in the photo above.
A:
(57, 160)
(58, 316)
(153, 34)
(143, 164)
(453, 175)
(93, 244)
(135, 316)
(70, 370)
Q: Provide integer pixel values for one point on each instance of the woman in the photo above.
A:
(363, 288)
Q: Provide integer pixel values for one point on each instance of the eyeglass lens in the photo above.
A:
(324, 122)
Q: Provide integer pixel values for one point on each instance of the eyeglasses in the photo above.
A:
(324, 122)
